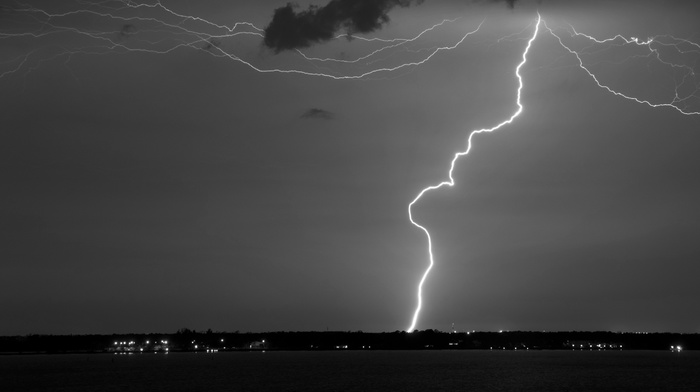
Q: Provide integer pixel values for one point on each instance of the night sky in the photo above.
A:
(145, 191)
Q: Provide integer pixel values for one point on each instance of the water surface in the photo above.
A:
(356, 371)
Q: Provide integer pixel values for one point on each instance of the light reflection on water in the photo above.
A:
(356, 371)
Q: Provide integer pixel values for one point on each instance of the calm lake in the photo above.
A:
(356, 371)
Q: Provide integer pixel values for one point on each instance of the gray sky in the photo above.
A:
(151, 192)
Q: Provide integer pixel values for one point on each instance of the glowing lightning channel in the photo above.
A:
(401, 41)
(652, 52)
(198, 40)
(451, 181)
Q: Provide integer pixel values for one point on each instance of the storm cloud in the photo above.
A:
(292, 29)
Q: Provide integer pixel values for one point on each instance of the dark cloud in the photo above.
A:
(318, 113)
(126, 31)
(293, 29)
(509, 3)
(290, 29)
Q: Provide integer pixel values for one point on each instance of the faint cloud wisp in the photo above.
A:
(316, 113)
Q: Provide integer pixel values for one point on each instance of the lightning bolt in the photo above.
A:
(196, 39)
(394, 43)
(450, 182)
(674, 103)
(176, 31)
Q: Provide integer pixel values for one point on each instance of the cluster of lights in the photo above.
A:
(196, 346)
(598, 346)
(131, 342)
(257, 345)
(129, 347)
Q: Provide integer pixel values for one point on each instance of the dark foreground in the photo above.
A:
(410, 370)
(187, 340)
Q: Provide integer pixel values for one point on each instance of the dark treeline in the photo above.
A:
(190, 340)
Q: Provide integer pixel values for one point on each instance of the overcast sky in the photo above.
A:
(150, 192)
